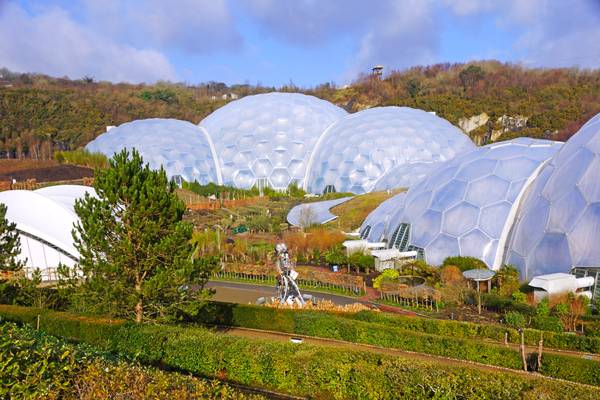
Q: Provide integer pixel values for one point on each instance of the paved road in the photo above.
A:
(245, 293)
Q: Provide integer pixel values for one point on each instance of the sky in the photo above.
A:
(278, 42)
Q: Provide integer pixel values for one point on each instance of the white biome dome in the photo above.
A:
(266, 139)
(180, 147)
(360, 148)
(558, 224)
(466, 205)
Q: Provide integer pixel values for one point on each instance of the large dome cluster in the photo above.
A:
(559, 222)
(466, 205)
(361, 148)
(179, 147)
(278, 139)
(45, 219)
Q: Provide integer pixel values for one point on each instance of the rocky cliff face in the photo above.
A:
(482, 129)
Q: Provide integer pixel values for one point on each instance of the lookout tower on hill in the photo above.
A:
(377, 71)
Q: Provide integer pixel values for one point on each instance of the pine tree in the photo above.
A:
(136, 257)
(10, 245)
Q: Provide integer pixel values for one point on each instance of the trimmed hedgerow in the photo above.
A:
(154, 339)
(562, 341)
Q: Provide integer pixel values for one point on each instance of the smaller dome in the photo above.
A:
(180, 147)
(361, 148)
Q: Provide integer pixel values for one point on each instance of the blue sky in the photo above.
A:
(275, 42)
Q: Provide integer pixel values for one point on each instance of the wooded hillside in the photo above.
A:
(41, 114)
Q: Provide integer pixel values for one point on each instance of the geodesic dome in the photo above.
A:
(180, 147)
(558, 223)
(377, 224)
(404, 175)
(360, 148)
(466, 205)
(266, 139)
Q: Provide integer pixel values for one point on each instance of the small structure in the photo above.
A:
(377, 71)
(479, 275)
(361, 246)
(387, 258)
(551, 284)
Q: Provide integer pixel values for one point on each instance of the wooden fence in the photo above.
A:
(33, 184)
(303, 283)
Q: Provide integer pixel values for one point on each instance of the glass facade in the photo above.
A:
(359, 149)
(268, 136)
(558, 223)
(466, 205)
(178, 146)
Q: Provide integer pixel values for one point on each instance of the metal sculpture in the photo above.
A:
(287, 288)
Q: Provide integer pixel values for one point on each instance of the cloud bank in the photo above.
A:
(145, 41)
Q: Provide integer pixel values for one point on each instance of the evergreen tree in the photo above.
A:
(136, 256)
(10, 245)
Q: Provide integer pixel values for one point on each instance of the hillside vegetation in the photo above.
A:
(41, 114)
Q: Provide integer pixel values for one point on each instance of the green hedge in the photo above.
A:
(443, 338)
(459, 329)
(94, 331)
(321, 372)
(328, 325)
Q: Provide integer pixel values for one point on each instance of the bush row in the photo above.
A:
(248, 316)
(320, 372)
(442, 338)
(329, 325)
(460, 329)
(37, 366)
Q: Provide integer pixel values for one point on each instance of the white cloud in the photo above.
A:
(556, 33)
(196, 26)
(53, 43)
(405, 36)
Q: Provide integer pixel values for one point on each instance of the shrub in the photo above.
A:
(388, 275)
(514, 319)
(465, 263)
(546, 323)
(519, 297)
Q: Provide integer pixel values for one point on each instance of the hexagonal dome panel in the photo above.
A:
(279, 127)
(558, 223)
(379, 139)
(462, 210)
(179, 146)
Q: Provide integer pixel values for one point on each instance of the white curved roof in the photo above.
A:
(306, 214)
(66, 194)
(559, 221)
(179, 146)
(360, 148)
(466, 206)
(268, 136)
(41, 217)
